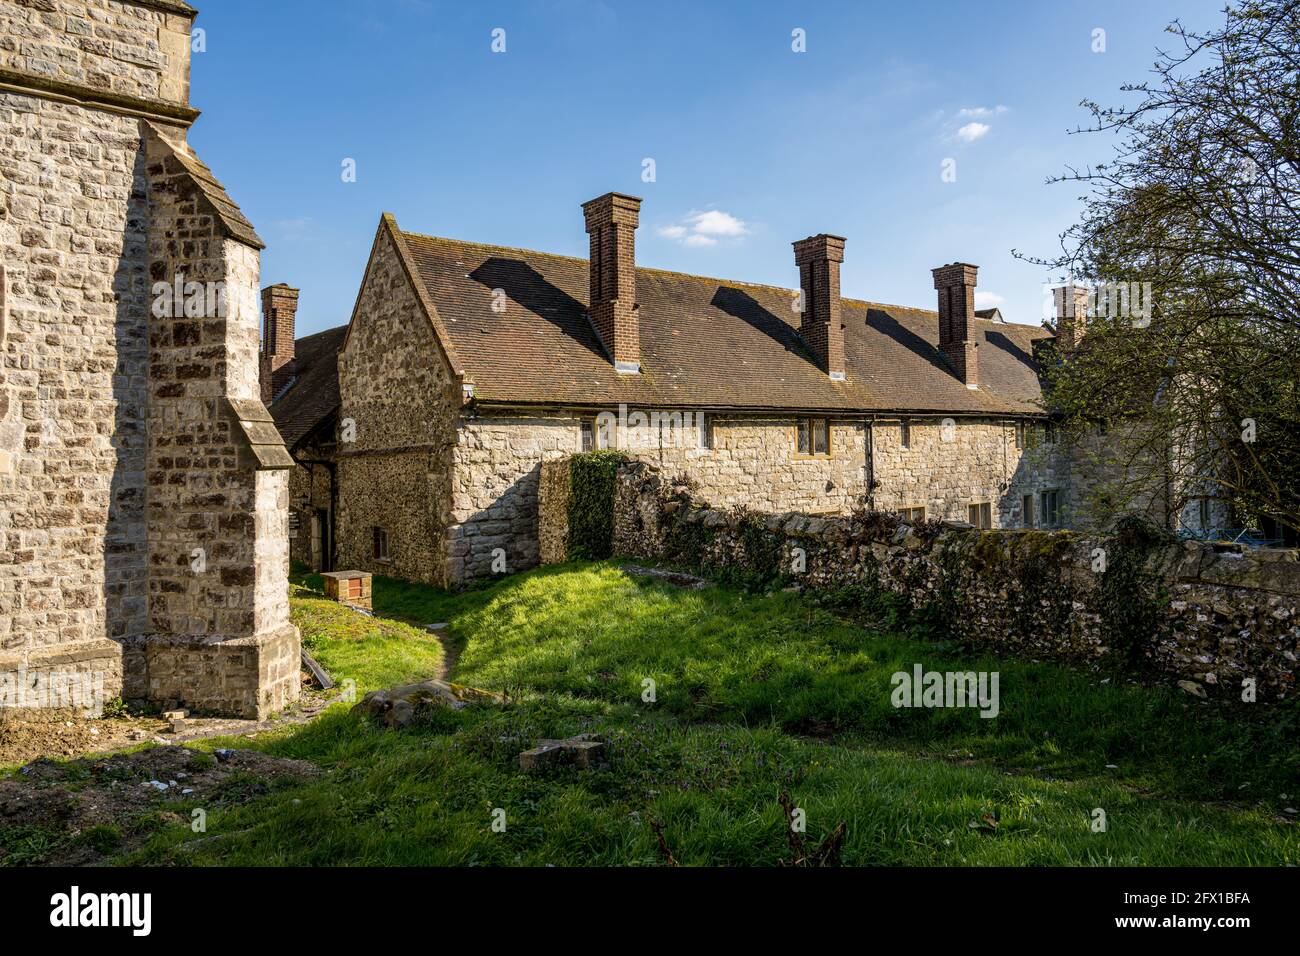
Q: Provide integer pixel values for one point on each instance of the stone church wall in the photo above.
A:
(131, 440)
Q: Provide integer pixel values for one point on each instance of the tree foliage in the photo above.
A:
(1201, 199)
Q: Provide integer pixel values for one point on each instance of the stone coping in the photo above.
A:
(31, 84)
(166, 6)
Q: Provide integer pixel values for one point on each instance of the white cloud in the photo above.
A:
(715, 222)
(973, 131)
(975, 125)
(988, 300)
(701, 229)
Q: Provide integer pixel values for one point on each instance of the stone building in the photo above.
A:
(143, 486)
(464, 366)
(304, 402)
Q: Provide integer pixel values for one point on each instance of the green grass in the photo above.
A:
(756, 695)
(722, 655)
(373, 651)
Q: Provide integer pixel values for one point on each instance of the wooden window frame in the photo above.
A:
(905, 433)
(811, 421)
(907, 511)
(979, 507)
(379, 544)
(1027, 513)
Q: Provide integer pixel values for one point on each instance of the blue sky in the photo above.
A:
(754, 145)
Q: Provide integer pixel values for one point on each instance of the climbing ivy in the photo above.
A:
(592, 479)
(1130, 594)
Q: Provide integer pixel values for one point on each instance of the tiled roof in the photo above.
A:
(704, 342)
(313, 394)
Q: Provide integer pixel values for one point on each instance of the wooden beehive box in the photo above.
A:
(348, 587)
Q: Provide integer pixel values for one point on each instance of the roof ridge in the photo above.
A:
(690, 275)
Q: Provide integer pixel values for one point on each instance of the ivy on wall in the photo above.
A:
(592, 479)
(1131, 595)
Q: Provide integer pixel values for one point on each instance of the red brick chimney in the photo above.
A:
(611, 224)
(1071, 314)
(277, 367)
(956, 285)
(818, 258)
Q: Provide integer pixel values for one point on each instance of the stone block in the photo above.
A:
(583, 751)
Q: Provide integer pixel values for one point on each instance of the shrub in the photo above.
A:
(592, 477)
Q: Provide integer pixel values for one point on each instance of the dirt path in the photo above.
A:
(441, 632)
(450, 654)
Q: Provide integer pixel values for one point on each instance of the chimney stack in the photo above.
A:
(611, 222)
(955, 283)
(277, 366)
(818, 258)
(1071, 314)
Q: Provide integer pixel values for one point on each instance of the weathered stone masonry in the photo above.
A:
(143, 547)
(751, 462)
(396, 433)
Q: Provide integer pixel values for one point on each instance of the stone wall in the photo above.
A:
(73, 573)
(397, 405)
(310, 491)
(753, 461)
(1114, 471)
(950, 464)
(1218, 614)
(750, 461)
(497, 463)
(217, 474)
(136, 50)
(131, 437)
(553, 493)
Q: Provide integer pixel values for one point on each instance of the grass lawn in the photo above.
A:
(755, 695)
(373, 651)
